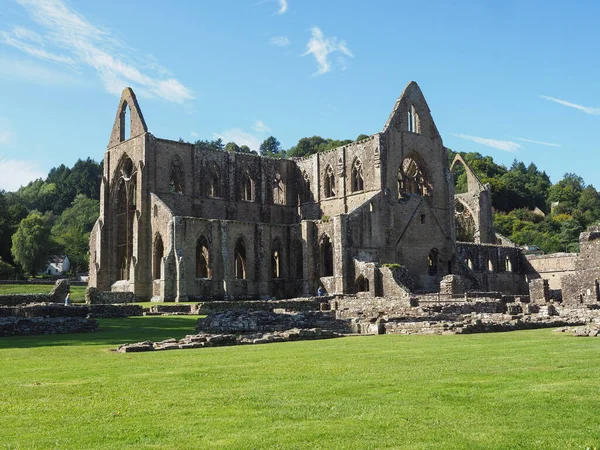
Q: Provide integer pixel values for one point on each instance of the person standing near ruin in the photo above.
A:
(68, 298)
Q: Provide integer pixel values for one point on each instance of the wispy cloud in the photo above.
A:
(531, 141)
(38, 73)
(70, 41)
(321, 47)
(17, 173)
(283, 6)
(280, 41)
(239, 137)
(194, 134)
(507, 146)
(260, 126)
(585, 109)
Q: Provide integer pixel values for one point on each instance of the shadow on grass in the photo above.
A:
(112, 332)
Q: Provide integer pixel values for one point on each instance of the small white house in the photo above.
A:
(57, 265)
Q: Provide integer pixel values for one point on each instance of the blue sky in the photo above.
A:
(511, 79)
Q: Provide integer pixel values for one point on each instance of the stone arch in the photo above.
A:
(203, 269)
(412, 179)
(279, 190)
(357, 177)
(129, 121)
(362, 284)
(213, 180)
(329, 182)
(158, 253)
(466, 228)
(247, 186)
(326, 256)
(432, 261)
(276, 259)
(124, 191)
(176, 175)
(239, 259)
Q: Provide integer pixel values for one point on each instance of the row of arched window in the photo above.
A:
(240, 258)
(505, 265)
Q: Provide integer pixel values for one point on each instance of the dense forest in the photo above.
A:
(55, 216)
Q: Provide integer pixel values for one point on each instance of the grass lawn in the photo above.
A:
(77, 292)
(526, 389)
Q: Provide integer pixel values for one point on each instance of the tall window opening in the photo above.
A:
(329, 184)
(125, 122)
(357, 176)
(413, 120)
(214, 181)
(278, 190)
(202, 259)
(247, 187)
(412, 180)
(276, 259)
(125, 214)
(239, 260)
(176, 179)
(326, 257)
(158, 256)
(432, 262)
(465, 224)
(507, 264)
(306, 197)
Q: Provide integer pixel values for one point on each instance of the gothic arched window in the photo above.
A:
(329, 184)
(412, 180)
(358, 183)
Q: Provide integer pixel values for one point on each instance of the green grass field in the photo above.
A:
(527, 389)
(77, 292)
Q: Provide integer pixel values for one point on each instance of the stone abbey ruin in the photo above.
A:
(376, 223)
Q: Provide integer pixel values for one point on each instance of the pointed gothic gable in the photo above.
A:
(128, 106)
(411, 113)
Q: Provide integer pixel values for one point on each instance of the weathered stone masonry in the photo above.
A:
(178, 223)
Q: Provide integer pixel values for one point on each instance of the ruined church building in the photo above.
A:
(178, 223)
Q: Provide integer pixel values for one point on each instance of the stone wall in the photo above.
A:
(18, 299)
(19, 326)
(553, 267)
(93, 296)
(539, 291)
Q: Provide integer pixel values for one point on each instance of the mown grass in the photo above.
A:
(77, 292)
(528, 389)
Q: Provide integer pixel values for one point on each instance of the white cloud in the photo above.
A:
(283, 6)
(17, 173)
(239, 137)
(280, 41)
(547, 144)
(321, 47)
(585, 109)
(37, 73)
(193, 134)
(507, 146)
(260, 126)
(75, 43)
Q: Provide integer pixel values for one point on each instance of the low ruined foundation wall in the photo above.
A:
(349, 307)
(93, 296)
(19, 326)
(18, 299)
(309, 304)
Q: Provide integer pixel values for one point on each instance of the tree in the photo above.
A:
(245, 149)
(270, 147)
(71, 232)
(232, 147)
(31, 241)
(362, 137)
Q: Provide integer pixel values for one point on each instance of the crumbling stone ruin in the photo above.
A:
(178, 223)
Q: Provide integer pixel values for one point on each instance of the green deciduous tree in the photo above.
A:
(71, 232)
(31, 242)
